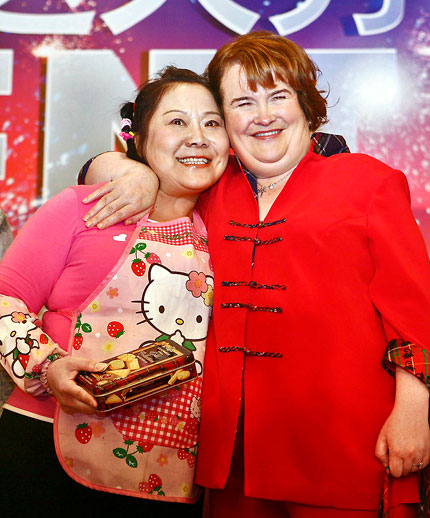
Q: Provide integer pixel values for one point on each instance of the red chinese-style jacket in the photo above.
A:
(337, 269)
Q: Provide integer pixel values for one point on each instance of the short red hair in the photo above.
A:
(263, 56)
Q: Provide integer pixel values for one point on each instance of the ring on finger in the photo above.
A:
(419, 465)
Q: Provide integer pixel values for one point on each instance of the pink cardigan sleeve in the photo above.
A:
(36, 258)
(28, 273)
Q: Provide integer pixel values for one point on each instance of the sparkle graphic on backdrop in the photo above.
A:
(404, 140)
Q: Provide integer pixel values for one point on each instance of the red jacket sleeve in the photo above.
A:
(400, 289)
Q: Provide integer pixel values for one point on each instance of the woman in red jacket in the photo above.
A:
(319, 264)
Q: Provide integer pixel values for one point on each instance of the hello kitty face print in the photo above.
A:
(178, 304)
(15, 329)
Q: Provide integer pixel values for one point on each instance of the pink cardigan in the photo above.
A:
(76, 264)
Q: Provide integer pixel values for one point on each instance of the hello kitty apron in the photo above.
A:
(160, 288)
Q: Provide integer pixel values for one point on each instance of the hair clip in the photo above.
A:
(126, 136)
(125, 122)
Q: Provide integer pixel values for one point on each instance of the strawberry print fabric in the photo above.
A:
(25, 348)
(161, 288)
(166, 421)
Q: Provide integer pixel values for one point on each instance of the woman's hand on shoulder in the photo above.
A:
(128, 196)
(404, 440)
(61, 376)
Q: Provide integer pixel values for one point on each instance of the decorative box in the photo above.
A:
(141, 373)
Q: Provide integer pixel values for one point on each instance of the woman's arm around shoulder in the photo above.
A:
(129, 194)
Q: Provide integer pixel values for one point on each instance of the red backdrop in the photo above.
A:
(65, 67)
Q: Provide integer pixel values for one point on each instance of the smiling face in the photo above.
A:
(267, 128)
(187, 145)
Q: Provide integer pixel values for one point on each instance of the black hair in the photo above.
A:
(141, 111)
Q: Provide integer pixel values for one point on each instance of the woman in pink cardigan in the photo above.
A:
(105, 293)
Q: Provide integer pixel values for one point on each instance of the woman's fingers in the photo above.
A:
(404, 441)
(406, 463)
(106, 205)
(111, 213)
(61, 379)
(396, 466)
(75, 401)
(77, 407)
(420, 463)
(136, 217)
(129, 197)
(400, 465)
(75, 394)
(413, 458)
(116, 212)
(98, 193)
(381, 449)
